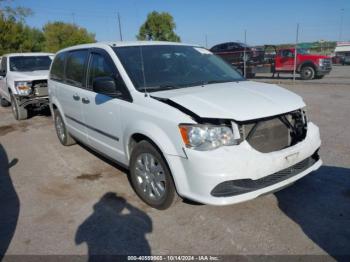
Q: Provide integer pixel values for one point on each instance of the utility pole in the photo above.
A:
(295, 53)
(120, 28)
(341, 24)
(73, 18)
(244, 54)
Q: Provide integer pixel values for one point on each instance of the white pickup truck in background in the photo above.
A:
(23, 82)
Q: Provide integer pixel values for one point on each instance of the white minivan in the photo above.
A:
(182, 120)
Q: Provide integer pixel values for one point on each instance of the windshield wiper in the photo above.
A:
(160, 87)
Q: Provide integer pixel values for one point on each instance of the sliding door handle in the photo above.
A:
(76, 97)
(85, 100)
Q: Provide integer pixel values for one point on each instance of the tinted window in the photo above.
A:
(232, 46)
(222, 47)
(99, 67)
(75, 67)
(57, 69)
(29, 63)
(214, 49)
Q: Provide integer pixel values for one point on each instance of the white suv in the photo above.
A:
(23, 82)
(182, 120)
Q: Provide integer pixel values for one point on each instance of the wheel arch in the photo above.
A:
(157, 137)
(307, 63)
(138, 137)
(55, 105)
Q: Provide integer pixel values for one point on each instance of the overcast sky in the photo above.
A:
(266, 21)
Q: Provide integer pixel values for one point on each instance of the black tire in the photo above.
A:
(19, 112)
(307, 73)
(169, 195)
(250, 75)
(4, 102)
(65, 138)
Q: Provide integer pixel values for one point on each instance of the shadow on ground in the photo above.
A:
(9, 203)
(320, 204)
(115, 228)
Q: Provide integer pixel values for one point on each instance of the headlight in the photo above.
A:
(208, 137)
(23, 87)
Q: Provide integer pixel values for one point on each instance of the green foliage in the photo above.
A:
(16, 36)
(159, 27)
(59, 35)
(17, 13)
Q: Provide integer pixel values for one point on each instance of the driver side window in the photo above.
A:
(287, 53)
(99, 67)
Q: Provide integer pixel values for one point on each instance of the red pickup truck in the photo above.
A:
(309, 66)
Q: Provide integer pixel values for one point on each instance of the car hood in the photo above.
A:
(30, 75)
(241, 101)
(311, 56)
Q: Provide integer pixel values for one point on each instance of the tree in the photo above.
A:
(17, 13)
(59, 35)
(14, 34)
(158, 26)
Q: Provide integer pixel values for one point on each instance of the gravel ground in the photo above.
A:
(68, 200)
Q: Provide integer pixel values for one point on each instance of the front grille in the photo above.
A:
(273, 134)
(327, 63)
(40, 87)
(241, 186)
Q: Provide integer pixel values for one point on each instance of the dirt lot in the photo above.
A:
(67, 200)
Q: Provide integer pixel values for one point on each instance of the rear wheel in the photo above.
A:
(19, 112)
(62, 133)
(151, 177)
(307, 73)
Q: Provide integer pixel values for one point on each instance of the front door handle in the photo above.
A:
(85, 100)
(76, 97)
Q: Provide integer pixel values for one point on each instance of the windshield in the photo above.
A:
(303, 51)
(29, 63)
(160, 67)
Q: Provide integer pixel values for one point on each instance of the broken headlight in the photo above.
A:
(24, 88)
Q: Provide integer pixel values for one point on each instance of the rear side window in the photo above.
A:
(57, 69)
(75, 68)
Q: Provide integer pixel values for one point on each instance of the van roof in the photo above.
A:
(124, 43)
(29, 54)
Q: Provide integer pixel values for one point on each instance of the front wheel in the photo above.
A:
(151, 177)
(4, 102)
(307, 73)
(19, 112)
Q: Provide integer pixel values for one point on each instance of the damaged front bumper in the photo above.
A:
(32, 100)
(197, 176)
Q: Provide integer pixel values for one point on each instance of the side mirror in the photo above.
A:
(105, 85)
(3, 73)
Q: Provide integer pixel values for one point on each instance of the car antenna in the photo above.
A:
(143, 72)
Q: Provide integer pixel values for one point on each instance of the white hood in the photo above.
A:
(30, 75)
(241, 101)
